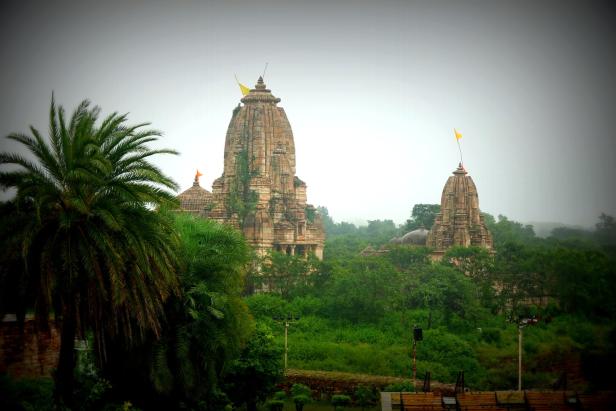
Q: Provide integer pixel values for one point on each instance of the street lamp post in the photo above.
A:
(521, 324)
(519, 358)
(417, 336)
(287, 321)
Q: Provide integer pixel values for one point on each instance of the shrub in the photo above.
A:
(26, 394)
(405, 386)
(339, 401)
(300, 389)
(277, 403)
(300, 401)
(364, 396)
(267, 305)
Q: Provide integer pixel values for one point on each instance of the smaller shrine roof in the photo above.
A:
(195, 198)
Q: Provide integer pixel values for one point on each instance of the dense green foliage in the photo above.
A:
(423, 215)
(359, 315)
(254, 375)
(158, 294)
(81, 238)
(208, 325)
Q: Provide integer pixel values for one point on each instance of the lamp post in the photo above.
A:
(417, 336)
(287, 321)
(523, 322)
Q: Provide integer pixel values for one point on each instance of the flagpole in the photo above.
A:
(455, 132)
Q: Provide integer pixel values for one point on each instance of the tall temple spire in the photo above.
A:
(460, 221)
(258, 191)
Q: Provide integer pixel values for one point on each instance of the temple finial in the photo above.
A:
(260, 84)
(197, 175)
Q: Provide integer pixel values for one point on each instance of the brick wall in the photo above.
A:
(27, 353)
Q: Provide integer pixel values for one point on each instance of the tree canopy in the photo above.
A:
(91, 246)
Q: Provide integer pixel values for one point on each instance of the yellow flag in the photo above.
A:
(458, 135)
(245, 90)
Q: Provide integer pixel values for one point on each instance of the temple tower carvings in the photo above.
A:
(460, 221)
(258, 191)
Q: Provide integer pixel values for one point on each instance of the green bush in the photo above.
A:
(300, 389)
(267, 305)
(300, 401)
(364, 396)
(340, 401)
(406, 386)
(274, 405)
(26, 394)
(491, 335)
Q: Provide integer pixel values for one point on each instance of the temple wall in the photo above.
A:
(27, 353)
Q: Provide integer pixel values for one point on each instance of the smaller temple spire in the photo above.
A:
(460, 222)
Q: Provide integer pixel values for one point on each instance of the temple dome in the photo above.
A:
(415, 237)
(195, 199)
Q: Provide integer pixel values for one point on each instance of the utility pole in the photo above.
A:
(520, 357)
(417, 336)
(286, 344)
(286, 321)
(414, 365)
(521, 324)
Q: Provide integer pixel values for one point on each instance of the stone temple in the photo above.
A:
(258, 192)
(460, 221)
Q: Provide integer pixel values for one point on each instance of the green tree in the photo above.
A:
(606, 230)
(363, 289)
(332, 228)
(379, 231)
(95, 250)
(209, 323)
(287, 275)
(506, 230)
(405, 257)
(254, 375)
(444, 291)
(422, 215)
(477, 264)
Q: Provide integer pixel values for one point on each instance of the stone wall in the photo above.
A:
(26, 353)
(324, 384)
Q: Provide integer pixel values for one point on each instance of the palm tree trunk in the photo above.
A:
(64, 376)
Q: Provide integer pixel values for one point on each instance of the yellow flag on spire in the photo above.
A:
(458, 135)
(244, 89)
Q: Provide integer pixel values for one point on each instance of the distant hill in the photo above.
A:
(544, 228)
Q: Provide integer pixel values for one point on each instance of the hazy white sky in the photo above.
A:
(372, 91)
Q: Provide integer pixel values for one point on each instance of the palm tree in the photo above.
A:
(209, 324)
(95, 250)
